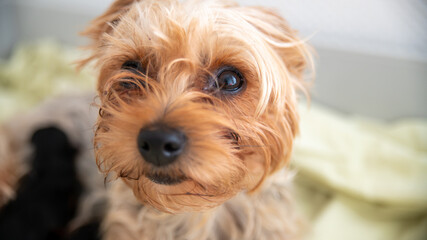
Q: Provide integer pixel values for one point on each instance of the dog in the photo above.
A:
(50, 187)
(47, 197)
(197, 116)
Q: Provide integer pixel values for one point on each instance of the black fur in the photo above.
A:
(87, 232)
(47, 196)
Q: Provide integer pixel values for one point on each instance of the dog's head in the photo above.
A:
(198, 99)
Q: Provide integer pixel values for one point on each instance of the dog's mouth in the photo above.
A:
(165, 179)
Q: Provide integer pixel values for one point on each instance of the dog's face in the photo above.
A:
(197, 98)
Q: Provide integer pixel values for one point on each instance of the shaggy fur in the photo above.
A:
(233, 178)
(236, 142)
(10, 170)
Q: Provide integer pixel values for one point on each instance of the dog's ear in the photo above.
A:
(103, 24)
(295, 56)
(291, 49)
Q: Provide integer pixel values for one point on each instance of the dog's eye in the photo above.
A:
(230, 80)
(134, 66)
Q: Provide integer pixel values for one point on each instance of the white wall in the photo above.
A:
(396, 28)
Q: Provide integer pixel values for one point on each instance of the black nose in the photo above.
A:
(161, 145)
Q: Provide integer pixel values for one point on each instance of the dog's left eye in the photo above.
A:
(230, 80)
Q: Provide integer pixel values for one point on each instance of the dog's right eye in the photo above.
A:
(134, 66)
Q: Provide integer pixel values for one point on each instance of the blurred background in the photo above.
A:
(371, 54)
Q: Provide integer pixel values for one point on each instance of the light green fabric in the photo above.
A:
(357, 178)
(360, 178)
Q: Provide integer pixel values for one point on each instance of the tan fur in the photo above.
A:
(10, 169)
(181, 44)
(267, 214)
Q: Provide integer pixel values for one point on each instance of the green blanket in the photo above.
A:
(357, 178)
(360, 178)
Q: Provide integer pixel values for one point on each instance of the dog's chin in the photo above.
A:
(165, 179)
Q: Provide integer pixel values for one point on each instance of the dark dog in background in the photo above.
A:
(47, 196)
(49, 186)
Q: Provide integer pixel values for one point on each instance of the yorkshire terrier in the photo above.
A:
(197, 118)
